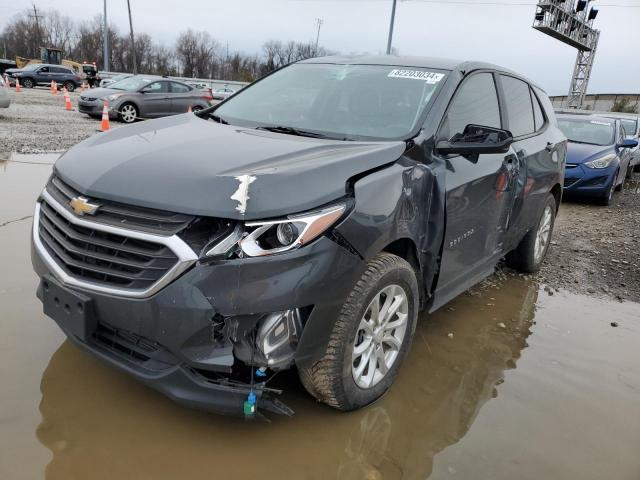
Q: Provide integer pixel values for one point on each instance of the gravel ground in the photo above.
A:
(37, 122)
(595, 250)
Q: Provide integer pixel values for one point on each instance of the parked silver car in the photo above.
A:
(144, 96)
(116, 78)
(223, 93)
(631, 125)
(5, 98)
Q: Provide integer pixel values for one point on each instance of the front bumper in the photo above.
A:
(93, 108)
(583, 181)
(184, 359)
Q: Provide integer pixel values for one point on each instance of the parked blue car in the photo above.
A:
(598, 156)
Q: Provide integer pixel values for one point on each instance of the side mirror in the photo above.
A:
(628, 143)
(476, 140)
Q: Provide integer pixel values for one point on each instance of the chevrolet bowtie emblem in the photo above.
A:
(82, 206)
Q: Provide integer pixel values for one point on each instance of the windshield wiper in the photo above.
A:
(297, 131)
(218, 119)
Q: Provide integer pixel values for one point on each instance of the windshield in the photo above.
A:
(629, 127)
(339, 101)
(131, 84)
(594, 132)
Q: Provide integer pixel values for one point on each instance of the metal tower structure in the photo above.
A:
(571, 22)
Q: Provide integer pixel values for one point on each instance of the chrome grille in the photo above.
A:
(127, 216)
(100, 257)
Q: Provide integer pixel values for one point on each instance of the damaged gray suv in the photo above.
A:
(304, 222)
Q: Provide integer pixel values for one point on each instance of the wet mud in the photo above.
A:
(504, 382)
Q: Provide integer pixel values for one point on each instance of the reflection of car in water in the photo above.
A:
(91, 414)
(5, 98)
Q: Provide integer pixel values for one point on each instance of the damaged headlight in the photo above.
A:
(602, 162)
(268, 238)
(260, 238)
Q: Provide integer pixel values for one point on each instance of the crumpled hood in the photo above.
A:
(190, 165)
(578, 153)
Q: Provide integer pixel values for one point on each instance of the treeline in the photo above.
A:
(194, 54)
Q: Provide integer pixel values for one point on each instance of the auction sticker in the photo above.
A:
(429, 77)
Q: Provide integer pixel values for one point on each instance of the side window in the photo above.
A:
(157, 87)
(519, 108)
(475, 102)
(537, 111)
(44, 70)
(621, 133)
(179, 88)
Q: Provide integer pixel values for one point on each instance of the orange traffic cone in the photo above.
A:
(55, 87)
(51, 88)
(189, 109)
(17, 85)
(67, 101)
(104, 124)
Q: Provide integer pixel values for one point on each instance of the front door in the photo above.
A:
(478, 190)
(155, 101)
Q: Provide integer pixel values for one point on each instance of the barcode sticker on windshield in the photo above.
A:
(429, 77)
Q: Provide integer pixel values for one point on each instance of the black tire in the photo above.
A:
(70, 86)
(620, 187)
(331, 379)
(523, 257)
(28, 83)
(607, 198)
(197, 108)
(123, 114)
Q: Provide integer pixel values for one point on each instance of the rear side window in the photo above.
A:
(475, 102)
(179, 88)
(537, 111)
(157, 87)
(519, 107)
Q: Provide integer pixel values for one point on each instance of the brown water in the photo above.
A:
(555, 394)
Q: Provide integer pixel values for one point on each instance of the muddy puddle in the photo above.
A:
(529, 386)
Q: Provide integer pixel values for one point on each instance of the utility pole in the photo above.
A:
(105, 40)
(393, 19)
(37, 39)
(319, 22)
(133, 44)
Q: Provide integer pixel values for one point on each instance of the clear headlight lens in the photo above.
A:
(268, 238)
(602, 162)
(113, 97)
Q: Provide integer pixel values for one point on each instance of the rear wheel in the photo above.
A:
(528, 255)
(370, 338)
(70, 86)
(28, 83)
(128, 113)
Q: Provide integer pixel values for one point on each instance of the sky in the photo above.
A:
(474, 30)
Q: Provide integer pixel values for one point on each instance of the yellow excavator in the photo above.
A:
(53, 56)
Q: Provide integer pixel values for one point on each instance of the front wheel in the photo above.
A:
(527, 257)
(28, 83)
(128, 113)
(370, 338)
(70, 86)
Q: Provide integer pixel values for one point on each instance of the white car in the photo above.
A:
(5, 98)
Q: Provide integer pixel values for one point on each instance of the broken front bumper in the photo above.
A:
(172, 341)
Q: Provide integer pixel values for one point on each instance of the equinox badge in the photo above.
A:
(82, 206)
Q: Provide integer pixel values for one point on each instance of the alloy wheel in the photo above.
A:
(379, 336)
(544, 233)
(128, 113)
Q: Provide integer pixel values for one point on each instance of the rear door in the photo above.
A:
(536, 155)
(182, 97)
(477, 191)
(156, 100)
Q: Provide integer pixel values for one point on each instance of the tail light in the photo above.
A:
(208, 97)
